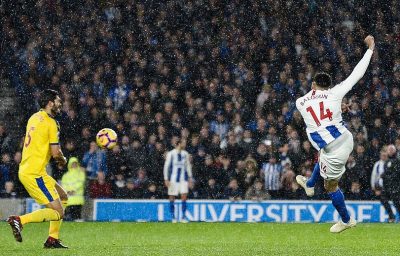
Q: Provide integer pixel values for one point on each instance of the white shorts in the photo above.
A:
(333, 158)
(176, 188)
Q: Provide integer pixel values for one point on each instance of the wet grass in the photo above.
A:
(104, 238)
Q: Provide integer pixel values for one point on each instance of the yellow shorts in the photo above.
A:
(40, 188)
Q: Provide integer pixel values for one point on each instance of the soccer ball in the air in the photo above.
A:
(106, 138)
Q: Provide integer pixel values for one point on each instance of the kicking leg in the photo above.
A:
(308, 185)
(337, 197)
(314, 176)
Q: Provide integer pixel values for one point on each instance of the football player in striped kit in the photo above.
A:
(177, 175)
(322, 113)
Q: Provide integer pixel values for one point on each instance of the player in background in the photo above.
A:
(41, 143)
(322, 113)
(177, 175)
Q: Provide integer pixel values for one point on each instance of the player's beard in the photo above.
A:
(55, 110)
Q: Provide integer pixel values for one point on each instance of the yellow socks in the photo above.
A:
(45, 214)
(54, 230)
(41, 215)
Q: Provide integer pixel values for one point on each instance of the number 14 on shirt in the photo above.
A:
(322, 114)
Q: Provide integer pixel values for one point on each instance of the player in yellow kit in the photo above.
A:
(41, 143)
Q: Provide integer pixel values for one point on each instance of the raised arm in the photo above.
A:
(358, 72)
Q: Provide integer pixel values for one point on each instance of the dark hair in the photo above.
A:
(46, 96)
(323, 80)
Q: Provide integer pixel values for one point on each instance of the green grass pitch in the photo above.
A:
(203, 239)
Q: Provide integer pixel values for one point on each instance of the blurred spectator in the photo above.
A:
(141, 182)
(238, 173)
(247, 143)
(194, 192)
(5, 169)
(100, 188)
(224, 166)
(69, 149)
(73, 181)
(136, 156)
(151, 192)
(355, 192)
(130, 190)
(85, 141)
(119, 186)
(284, 157)
(5, 140)
(117, 162)
(204, 170)
(264, 95)
(308, 153)
(8, 191)
(361, 166)
(212, 190)
(140, 71)
(219, 126)
(257, 192)
(94, 161)
(233, 192)
(271, 173)
(290, 188)
(119, 93)
(251, 172)
(351, 173)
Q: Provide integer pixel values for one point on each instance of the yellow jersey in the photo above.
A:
(41, 131)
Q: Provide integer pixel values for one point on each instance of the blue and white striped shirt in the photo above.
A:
(177, 167)
(272, 175)
(321, 109)
(377, 171)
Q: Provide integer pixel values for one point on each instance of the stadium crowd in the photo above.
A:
(222, 74)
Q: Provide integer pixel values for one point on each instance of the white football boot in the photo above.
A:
(302, 181)
(184, 220)
(174, 220)
(341, 226)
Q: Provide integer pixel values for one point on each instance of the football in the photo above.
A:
(106, 138)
